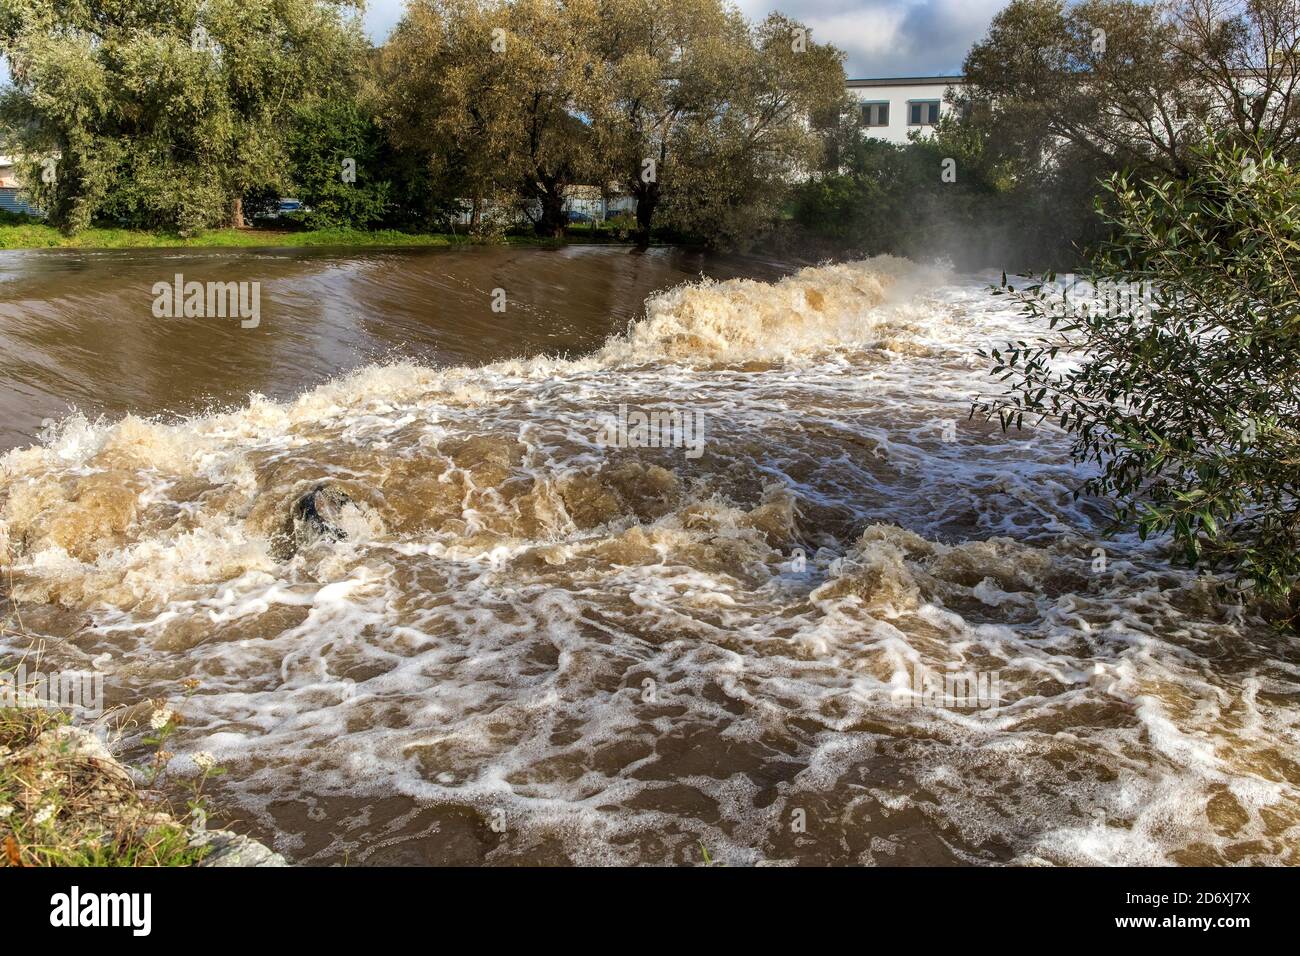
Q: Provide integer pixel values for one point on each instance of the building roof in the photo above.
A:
(908, 81)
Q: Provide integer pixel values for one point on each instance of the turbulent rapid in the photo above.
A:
(525, 642)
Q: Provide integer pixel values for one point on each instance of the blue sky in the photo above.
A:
(881, 37)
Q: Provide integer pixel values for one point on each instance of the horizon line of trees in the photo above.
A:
(188, 114)
(184, 114)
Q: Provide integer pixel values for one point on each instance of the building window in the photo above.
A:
(923, 112)
(875, 114)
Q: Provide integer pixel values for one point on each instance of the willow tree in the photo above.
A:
(706, 116)
(535, 96)
(495, 92)
(664, 64)
(163, 112)
(1134, 84)
(737, 164)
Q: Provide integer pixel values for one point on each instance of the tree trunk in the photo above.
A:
(647, 199)
(551, 222)
(237, 214)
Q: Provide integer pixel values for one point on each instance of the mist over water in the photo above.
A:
(537, 646)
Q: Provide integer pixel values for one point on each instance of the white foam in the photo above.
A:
(484, 637)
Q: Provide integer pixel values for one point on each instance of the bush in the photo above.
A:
(1182, 382)
(8, 218)
(326, 136)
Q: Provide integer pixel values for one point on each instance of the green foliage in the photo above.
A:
(1133, 83)
(162, 115)
(325, 135)
(54, 810)
(727, 167)
(1182, 385)
(8, 218)
(588, 92)
(490, 93)
(47, 237)
(160, 846)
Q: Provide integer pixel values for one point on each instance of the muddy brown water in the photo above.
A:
(77, 328)
(823, 618)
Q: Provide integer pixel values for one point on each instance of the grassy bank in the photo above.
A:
(40, 236)
(65, 802)
(29, 235)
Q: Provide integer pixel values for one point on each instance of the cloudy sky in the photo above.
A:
(881, 37)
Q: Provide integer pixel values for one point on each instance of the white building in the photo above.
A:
(893, 107)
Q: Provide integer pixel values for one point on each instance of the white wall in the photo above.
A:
(898, 98)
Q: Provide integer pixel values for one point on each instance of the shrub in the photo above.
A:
(1184, 389)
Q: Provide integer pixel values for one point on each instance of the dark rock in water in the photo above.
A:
(316, 515)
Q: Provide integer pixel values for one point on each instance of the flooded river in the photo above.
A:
(643, 566)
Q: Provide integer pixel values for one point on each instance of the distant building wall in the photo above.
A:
(890, 108)
(9, 188)
(10, 202)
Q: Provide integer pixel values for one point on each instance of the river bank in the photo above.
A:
(41, 236)
(65, 800)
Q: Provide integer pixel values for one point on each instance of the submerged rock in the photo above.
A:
(316, 516)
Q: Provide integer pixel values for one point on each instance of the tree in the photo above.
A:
(664, 65)
(493, 91)
(163, 113)
(1135, 84)
(681, 104)
(436, 99)
(737, 165)
(951, 195)
(336, 155)
(1177, 368)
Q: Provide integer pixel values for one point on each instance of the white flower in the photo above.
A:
(160, 719)
(204, 760)
(44, 815)
(5, 811)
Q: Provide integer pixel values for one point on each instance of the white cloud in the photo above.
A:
(381, 16)
(891, 37)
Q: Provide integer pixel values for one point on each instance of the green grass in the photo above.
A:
(81, 829)
(40, 236)
(158, 846)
